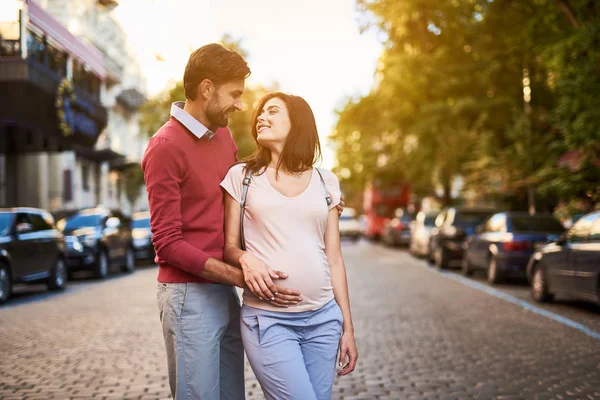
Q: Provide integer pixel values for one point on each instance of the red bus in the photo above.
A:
(379, 205)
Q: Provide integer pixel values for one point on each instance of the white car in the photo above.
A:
(349, 225)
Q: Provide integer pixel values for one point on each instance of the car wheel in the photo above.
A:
(467, 268)
(58, 275)
(101, 265)
(441, 258)
(5, 283)
(129, 261)
(493, 275)
(539, 286)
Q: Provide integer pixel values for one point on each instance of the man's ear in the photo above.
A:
(206, 88)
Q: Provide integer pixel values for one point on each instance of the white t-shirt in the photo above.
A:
(288, 234)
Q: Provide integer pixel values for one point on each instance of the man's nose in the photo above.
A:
(238, 105)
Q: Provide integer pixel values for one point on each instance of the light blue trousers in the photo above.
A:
(201, 327)
(293, 355)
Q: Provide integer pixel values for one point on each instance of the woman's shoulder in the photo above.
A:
(328, 176)
(237, 169)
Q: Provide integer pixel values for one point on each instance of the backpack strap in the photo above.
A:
(327, 197)
(246, 182)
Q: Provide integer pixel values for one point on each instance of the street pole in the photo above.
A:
(527, 109)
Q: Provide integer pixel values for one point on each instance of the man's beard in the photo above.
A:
(216, 115)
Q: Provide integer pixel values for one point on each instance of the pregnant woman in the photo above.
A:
(289, 224)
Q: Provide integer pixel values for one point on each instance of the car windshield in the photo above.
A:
(6, 220)
(535, 224)
(140, 223)
(82, 221)
(430, 220)
(467, 219)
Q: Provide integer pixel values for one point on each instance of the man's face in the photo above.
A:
(225, 100)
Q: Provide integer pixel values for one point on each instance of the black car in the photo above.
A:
(504, 243)
(106, 239)
(571, 265)
(32, 250)
(453, 225)
(142, 236)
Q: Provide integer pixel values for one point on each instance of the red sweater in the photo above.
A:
(183, 176)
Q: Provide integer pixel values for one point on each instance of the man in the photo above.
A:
(183, 166)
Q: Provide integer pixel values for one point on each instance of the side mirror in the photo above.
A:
(562, 240)
(113, 222)
(23, 227)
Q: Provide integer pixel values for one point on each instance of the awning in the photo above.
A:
(131, 99)
(122, 164)
(99, 155)
(91, 56)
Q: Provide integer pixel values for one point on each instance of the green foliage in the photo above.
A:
(449, 99)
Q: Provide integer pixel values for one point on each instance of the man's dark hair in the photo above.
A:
(214, 62)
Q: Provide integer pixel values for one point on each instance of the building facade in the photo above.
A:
(81, 158)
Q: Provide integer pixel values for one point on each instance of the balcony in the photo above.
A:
(28, 93)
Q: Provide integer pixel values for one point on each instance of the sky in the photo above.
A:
(311, 48)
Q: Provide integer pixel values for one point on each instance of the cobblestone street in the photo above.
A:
(420, 335)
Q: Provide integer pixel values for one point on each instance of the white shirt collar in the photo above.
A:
(191, 123)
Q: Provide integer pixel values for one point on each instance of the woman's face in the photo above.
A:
(273, 124)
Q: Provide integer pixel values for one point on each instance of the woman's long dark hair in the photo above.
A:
(301, 150)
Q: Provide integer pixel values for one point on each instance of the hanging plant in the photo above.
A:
(65, 95)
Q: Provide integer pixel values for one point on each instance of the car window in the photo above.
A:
(535, 224)
(430, 220)
(145, 222)
(6, 219)
(466, 219)
(81, 221)
(581, 229)
(595, 231)
(39, 223)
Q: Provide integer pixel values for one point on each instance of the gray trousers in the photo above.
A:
(201, 329)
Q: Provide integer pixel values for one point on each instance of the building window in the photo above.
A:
(86, 80)
(85, 177)
(67, 185)
(35, 47)
(57, 60)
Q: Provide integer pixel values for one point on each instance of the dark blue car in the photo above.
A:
(571, 265)
(503, 244)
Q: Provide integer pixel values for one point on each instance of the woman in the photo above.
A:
(290, 225)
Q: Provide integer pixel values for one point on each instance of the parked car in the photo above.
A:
(106, 239)
(453, 226)
(420, 233)
(142, 236)
(503, 244)
(349, 225)
(32, 250)
(396, 231)
(571, 265)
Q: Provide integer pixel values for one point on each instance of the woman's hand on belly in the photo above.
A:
(259, 279)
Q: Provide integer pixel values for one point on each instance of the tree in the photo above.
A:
(450, 99)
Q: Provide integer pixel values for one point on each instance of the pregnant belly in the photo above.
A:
(308, 274)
